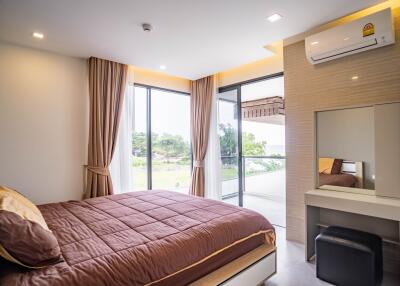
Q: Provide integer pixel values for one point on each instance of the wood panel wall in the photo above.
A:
(309, 88)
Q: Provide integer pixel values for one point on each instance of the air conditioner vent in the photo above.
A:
(370, 32)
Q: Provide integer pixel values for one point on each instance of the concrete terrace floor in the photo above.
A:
(274, 211)
(264, 193)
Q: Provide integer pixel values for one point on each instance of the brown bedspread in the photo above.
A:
(341, 180)
(140, 238)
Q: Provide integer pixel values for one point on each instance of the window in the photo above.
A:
(164, 160)
(170, 139)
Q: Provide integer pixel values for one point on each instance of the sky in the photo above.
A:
(170, 112)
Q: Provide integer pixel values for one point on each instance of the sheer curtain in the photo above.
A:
(212, 161)
(121, 165)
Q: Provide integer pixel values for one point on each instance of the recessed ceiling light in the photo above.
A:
(315, 43)
(147, 27)
(346, 39)
(38, 35)
(163, 67)
(274, 18)
(354, 77)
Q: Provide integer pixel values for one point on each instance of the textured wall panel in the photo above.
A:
(309, 88)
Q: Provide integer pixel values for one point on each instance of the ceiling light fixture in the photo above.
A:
(354, 77)
(37, 35)
(315, 43)
(163, 67)
(274, 18)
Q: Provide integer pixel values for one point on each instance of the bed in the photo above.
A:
(152, 238)
(350, 175)
(341, 180)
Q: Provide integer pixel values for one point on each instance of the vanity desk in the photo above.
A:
(374, 214)
(357, 176)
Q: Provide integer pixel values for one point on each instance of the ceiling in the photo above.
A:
(193, 38)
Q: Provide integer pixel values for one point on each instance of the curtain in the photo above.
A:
(107, 82)
(212, 162)
(121, 167)
(200, 103)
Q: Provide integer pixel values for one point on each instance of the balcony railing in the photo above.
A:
(262, 176)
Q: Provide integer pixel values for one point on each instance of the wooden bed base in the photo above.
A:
(251, 269)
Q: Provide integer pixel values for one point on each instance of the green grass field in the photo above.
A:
(171, 176)
(164, 177)
(174, 178)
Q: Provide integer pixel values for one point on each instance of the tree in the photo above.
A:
(228, 142)
(251, 147)
(139, 144)
(228, 139)
(168, 145)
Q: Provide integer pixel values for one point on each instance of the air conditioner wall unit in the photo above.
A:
(367, 33)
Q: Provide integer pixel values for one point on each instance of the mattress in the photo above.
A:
(341, 180)
(143, 238)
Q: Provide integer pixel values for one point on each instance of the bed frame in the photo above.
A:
(250, 269)
(256, 273)
(356, 169)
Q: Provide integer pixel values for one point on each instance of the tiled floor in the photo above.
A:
(292, 268)
(294, 271)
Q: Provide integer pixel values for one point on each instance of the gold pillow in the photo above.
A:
(25, 238)
(12, 201)
(325, 165)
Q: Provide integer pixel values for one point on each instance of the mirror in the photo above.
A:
(346, 148)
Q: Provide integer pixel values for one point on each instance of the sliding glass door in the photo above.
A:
(252, 143)
(230, 145)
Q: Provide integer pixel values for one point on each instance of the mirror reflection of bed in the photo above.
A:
(346, 148)
(342, 173)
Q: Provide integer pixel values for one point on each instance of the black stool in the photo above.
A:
(347, 257)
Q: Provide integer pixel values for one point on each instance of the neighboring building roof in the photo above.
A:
(269, 110)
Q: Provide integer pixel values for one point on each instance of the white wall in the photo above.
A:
(43, 123)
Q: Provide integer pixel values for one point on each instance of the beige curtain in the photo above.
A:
(201, 98)
(107, 82)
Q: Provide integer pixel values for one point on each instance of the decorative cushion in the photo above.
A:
(337, 167)
(25, 238)
(325, 165)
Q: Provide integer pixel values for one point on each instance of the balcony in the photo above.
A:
(263, 185)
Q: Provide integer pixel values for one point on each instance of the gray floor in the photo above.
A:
(294, 271)
(292, 268)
